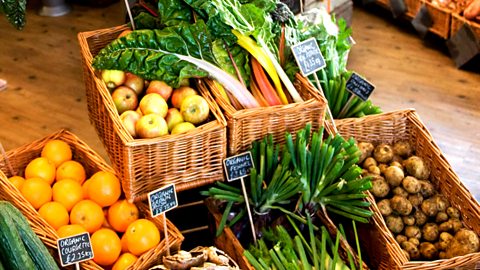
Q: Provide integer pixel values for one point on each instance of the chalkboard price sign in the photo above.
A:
(75, 249)
(162, 200)
(308, 56)
(359, 86)
(238, 166)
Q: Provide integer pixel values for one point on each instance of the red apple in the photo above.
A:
(180, 93)
(113, 78)
(160, 88)
(195, 109)
(151, 126)
(135, 82)
(153, 103)
(129, 119)
(173, 117)
(125, 99)
(182, 128)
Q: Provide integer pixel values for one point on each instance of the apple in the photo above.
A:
(173, 117)
(180, 93)
(151, 126)
(135, 82)
(124, 99)
(113, 78)
(195, 109)
(153, 103)
(161, 88)
(182, 127)
(129, 119)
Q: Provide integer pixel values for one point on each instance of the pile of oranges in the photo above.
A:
(58, 188)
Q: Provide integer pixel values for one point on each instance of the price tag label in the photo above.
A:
(308, 56)
(238, 166)
(75, 249)
(162, 200)
(359, 86)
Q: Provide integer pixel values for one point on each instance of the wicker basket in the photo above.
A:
(458, 21)
(380, 244)
(186, 160)
(92, 162)
(412, 6)
(248, 125)
(441, 18)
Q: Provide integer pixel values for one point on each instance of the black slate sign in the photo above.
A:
(238, 166)
(359, 86)
(398, 8)
(308, 56)
(162, 200)
(464, 46)
(75, 249)
(422, 21)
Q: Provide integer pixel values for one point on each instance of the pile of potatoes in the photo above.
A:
(422, 220)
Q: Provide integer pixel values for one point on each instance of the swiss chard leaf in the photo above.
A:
(239, 55)
(173, 12)
(145, 20)
(15, 12)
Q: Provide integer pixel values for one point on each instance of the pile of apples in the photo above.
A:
(150, 109)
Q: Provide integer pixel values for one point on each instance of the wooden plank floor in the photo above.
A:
(46, 90)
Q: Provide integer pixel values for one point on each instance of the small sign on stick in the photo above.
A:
(75, 249)
(238, 166)
(163, 199)
(359, 86)
(308, 56)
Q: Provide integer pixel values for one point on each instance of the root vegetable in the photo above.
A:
(366, 149)
(369, 162)
(385, 208)
(429, 207)
(397, 161)
(413, 232)
(430, 232)
(383, 153)
(394, 223)
(414, 241)
(394, 176)
(400, 192)
(383, 167)
(456, 224)
(444, 240)
(415, 199)
(420, 217)
(428, 251)
(380, 187)
(441, 217)
(401, 238)
(408, 220)
(412, 250)
(374, 169)
(442, 255)
(441, 202)
(426, 188)
(453, 212)
(446, 226)
(411, 185)
(402, 148)
(417, 168)
(464, 242)
(401, 205)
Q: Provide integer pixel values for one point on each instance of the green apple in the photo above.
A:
(113, 78)
(173, 117)
(151, 126)
(153, 103)
(182, 128)
(179, 95)
(129, 120)
(195, 109)
(124, 99)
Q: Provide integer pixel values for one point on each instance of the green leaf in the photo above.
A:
(174, 12)
(239, 55)
(15, 12)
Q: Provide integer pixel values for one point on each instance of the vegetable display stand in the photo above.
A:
(403, 125)
(458, 21)
(186, 160)
(412, 6)
(92, 162)
(441, 18)
(247, 125)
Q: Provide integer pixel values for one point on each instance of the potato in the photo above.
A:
(382, 167)
(442, 255)
(444, 240)
(397, 161)
(453, 212)
(401, 205)
(401, 238)
(428, 251)
(380, 187)
(430, 232)
(416, 199)
(402, 149)
(385, 208)
(464, 242)
(366, 149)
(441, 202)
(374, 169)
(394, 223)
(383, 153)
(426, 189)
(408, 220)
(429, 207)
(416, 167)
(394, 176)
(400, 192)
(441, 217)
(446, 226)
(414, 241)
(420, 217)
(411, 185)
(413, 232)
(369, 162)
(456, 224)
(412, 250)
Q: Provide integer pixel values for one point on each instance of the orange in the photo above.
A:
(85, 189)
(55, 214)
(69, 230)
(106, 246)
(88, 214)
(41, 167)
(36, 191)
(106, 224)
(17, 181)
(57, 151)
(123, 239)
(67, 192)
(104, 188)
(121, 214)
(142, 235)
(71, 169)
(124, 261)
